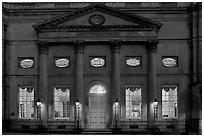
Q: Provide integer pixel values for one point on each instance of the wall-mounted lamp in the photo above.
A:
(116, 102)
(77, 108)
(77, 113)
(77, 103)
(116, 112)
(155, 106)
(38, 103)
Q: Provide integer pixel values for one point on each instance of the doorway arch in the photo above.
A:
(97, 105)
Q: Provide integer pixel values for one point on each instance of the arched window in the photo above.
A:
(98, 89)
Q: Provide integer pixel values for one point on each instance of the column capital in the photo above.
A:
(42, 47)
(115, 45)
(79, 46)
(152, 46)
(196, 6)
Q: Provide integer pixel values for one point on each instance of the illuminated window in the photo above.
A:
(26, 102)
(133, 102)
(169, 102)
(98, 89)
(61, 102)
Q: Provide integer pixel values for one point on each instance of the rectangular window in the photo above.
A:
(26, 102)
(61, 102)
(169, 102)
(133, 102)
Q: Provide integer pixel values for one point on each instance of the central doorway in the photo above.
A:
(97, 107)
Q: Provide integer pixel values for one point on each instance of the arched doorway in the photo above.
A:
(97, 107)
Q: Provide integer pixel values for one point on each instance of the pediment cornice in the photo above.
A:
(97, 28)
(141, 23)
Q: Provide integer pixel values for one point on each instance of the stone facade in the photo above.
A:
(113, 32)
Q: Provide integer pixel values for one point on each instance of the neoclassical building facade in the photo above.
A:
(125, 67)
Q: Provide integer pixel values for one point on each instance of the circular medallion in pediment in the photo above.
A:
(96, 19)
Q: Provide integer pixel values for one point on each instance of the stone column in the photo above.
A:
(115, 90)
(79, 86)
(151, 80)
(43, 81)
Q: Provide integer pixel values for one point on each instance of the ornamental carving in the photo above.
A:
(43, 47)
(26, 63)
(96, 19)
(133, 62)
(169, 62)
(115, 45)
(62, 63)
(152, 46)
(79, 46)
(97, 62)
(196, 7)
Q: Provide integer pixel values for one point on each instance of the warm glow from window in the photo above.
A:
(26, 102)
(98, 89)
(61, 102)
(133, 102)
(169, 102)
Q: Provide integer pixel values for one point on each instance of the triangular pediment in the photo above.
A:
(97, 16)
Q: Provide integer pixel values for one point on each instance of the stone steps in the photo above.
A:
(97, 131)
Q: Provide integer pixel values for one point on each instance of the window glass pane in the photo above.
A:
(61, 102)
(26, 102)
(169, 102)
(133, 101)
